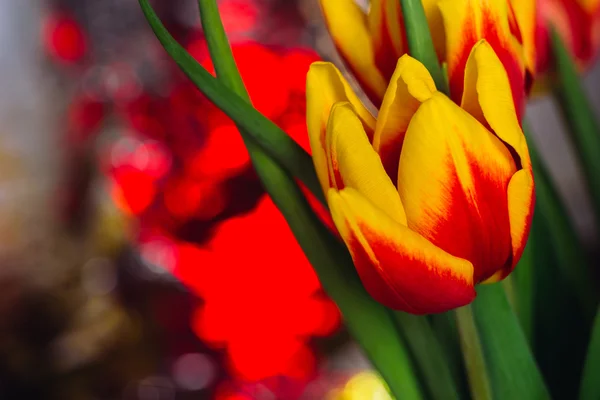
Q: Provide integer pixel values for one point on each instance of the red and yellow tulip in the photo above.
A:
(371, 43)
(430, 197)
(577, 22)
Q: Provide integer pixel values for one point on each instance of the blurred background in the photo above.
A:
(140, 257)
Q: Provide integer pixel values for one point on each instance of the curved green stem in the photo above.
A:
(473, 354)
(264, 132)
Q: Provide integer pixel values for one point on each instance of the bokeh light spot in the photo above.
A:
(194, 371)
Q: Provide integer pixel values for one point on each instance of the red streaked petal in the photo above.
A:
(349, 29)
(453, 181)
(410, 85)
(397, 266)
(388, 34)
(521, 201)
(469, 21)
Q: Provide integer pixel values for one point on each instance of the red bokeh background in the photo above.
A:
(180, 172)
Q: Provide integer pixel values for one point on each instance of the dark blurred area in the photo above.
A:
(140, 257)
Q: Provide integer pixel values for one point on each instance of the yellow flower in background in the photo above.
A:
(371, 43)
(363, 386)
(430, 197)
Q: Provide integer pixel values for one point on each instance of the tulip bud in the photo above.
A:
(430, 198)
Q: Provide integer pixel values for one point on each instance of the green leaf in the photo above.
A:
(429, 355)
(512, 370)
(446, 329)
(560, 332)
(579, 114)
(564, 293)
(590, 384)
(475, 363)
(369, 322)
(420, 43)
(264, 132)
(570, 253)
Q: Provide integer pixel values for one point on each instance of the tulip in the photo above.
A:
(576, 21)
(430, 198)
(372, 43)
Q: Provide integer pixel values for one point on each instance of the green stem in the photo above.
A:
(264, 132)
(429, 355)
(369, 322)
(473, 354)
(511, 367)
(420, 42)
(219, 48)
(590, 384)
(523, 283)
(446, 330)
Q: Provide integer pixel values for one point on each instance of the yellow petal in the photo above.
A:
(349, 29)
(525, 15)
(453, 181)
(388, 34)
(397, 266)
(354, 164)
(410, 85)
(467, 22)
(521, 202)
(488, 98)
(325, 86)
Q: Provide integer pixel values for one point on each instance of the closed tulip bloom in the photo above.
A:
(431, 197)
(576, 21)
(371, 43)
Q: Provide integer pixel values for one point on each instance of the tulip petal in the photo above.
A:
(349, 29)
(488, 98)
(354, 164)
(326, 86)
(410, 85)
(453, 180)
(520, 212)
(397, 266)
(388, 34)
(521, 201)
(466, 22)
(523, 15)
